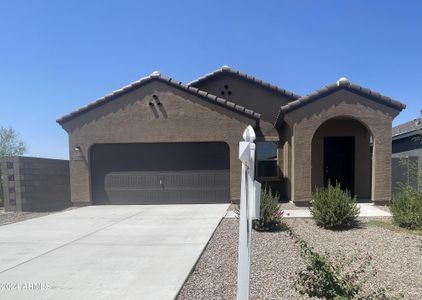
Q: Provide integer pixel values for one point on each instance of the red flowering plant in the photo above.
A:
(277, 216)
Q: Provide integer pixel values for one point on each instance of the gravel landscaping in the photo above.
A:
(13, 217)
(215, 274)
(396, 255)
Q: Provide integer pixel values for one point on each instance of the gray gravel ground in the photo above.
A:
(397, 256)
(13, 217)
(215, 275)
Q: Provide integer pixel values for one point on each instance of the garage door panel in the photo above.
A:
(167, 197)
(121, 175)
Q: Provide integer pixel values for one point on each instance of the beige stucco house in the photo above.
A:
(158, 140)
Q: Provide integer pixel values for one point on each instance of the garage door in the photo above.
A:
(160, 173)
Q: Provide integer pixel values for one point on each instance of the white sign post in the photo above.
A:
(250, 200)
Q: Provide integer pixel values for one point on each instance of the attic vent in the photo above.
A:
(226, 90)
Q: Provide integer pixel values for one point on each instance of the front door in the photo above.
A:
(339, 161)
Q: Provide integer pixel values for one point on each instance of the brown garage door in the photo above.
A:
(160, 173)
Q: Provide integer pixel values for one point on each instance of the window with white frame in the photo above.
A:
(266, 160)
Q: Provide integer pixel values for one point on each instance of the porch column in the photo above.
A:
(381, 166)
(301, 169)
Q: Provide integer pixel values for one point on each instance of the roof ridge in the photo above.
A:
(342, 83)
(156, 75)
(407, 127)
(227, 69)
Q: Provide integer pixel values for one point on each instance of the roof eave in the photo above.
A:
(329, 89)
(405, 135)
(228, 70)
(174, 83)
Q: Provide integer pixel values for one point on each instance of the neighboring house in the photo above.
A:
(407, 154)
(158, 140)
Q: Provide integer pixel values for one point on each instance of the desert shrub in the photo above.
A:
(340, 278)
(406, 208)
(334, 208)
(270, 218)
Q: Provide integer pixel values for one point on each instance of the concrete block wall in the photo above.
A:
(35, 184)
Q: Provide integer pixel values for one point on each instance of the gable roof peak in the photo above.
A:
(342, 84)
(156, 76)
(228, 70)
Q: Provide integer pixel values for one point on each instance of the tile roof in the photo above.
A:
(342, 83)
(177, 84)
(226, 69)
(407, 127)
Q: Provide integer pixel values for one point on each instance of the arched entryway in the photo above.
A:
(341, 152)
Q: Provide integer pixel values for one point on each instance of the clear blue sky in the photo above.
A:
(56, 56)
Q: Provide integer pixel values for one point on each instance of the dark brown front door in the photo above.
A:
(339, 161)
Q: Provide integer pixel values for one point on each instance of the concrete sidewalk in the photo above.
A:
(105, 252)
(366, 210)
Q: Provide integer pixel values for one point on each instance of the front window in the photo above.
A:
(266, 160)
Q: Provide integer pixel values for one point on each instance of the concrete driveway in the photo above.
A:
(105, 252)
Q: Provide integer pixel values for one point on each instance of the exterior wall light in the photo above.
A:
(78, 153)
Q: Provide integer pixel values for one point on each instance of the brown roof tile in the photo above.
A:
(342, 83)
(226, 69)
(172, 82)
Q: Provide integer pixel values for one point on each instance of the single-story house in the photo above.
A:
(158, 140)
(407, 154)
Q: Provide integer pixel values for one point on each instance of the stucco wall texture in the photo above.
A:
(267, 102)
(305, 121)
(130, 119)
(185, 117)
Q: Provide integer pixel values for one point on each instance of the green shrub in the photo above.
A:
(342, 277)
(270, 218)
(406, 208)
(334, 208)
